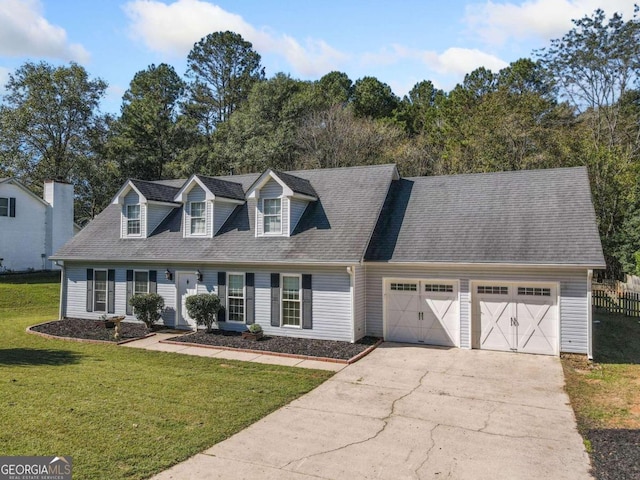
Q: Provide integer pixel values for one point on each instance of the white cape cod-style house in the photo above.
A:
(499, 261)
(32, 228)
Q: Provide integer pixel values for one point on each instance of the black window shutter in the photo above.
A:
(89, 289)
(153, 281)
(129, 291)
(12, 207)
(307, 297)
(111, 291)
(275, 299)
(249, 283)
(222, 295)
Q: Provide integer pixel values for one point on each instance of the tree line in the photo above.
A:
(575, 102)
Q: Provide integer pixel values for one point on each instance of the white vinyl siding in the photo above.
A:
(573, 296)
(331, 307)
(221, 212)
(297, 208)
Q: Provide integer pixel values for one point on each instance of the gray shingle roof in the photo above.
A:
(297, 184)
(156, 191)
(523, 217)
(223, 188)
(335, 228)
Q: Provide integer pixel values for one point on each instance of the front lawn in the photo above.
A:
(121, 412)
(605, 396)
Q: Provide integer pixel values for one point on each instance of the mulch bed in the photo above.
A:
(287, 345)
(615, 454)
(91, 329)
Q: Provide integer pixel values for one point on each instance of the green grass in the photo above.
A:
(121, 412)
(606, 393)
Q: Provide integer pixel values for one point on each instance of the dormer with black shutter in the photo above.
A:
(207, 203)
(281, 199)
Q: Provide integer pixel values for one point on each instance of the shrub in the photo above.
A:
(255, 328)
(147, 307)
(204, 308)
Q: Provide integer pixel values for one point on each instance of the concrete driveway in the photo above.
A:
(416, 413)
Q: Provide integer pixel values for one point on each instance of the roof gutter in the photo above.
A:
(339, 263)
(494, 264)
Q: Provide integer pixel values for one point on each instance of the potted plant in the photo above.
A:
(254, 332)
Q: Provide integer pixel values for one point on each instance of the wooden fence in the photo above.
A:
(622, 302)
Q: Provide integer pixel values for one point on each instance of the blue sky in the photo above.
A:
(400, 43)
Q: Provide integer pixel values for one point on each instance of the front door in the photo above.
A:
(187, 284)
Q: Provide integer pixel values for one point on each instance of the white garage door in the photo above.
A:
(518, 317)
(421, 311)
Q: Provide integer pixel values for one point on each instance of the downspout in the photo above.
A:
(589, 316)
(351, 272)
(62, 311)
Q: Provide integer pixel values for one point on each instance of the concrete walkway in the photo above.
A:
(415, 413)
(153, 343)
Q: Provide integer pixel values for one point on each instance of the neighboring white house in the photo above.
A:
(32, 228)
(497, 261)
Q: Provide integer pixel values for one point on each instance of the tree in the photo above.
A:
(147, 137)
(44, 122)
(372, 98)
(334, 88)
(223, 68)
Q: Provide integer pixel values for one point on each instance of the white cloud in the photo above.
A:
(25, 32)
(497, 23)
(174, 28)
(453, 61)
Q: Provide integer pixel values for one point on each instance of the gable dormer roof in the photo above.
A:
(223, 188)
(148, 191)
(156, 192)
(290, 183)
(213, 187)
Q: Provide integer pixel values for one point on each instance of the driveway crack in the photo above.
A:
(385, 421)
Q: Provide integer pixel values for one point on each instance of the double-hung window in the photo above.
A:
(272, 212)
(140, 282)
(235, 297)
(291, 300)
(198, 218)
(99, 290)
(133, 219)
(4, 207)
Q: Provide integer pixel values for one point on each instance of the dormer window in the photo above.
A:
(133, 219)
(272, 208)
(198, 218)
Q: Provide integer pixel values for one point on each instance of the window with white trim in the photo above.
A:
(4, 207)
(100, 291)
(198, 218)
(436, 287)
(535, 291)
(291, 311)
(272, 215)
(404, 287)
(493, 289)
(140, 282)
(133, 219)
(235, 297)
